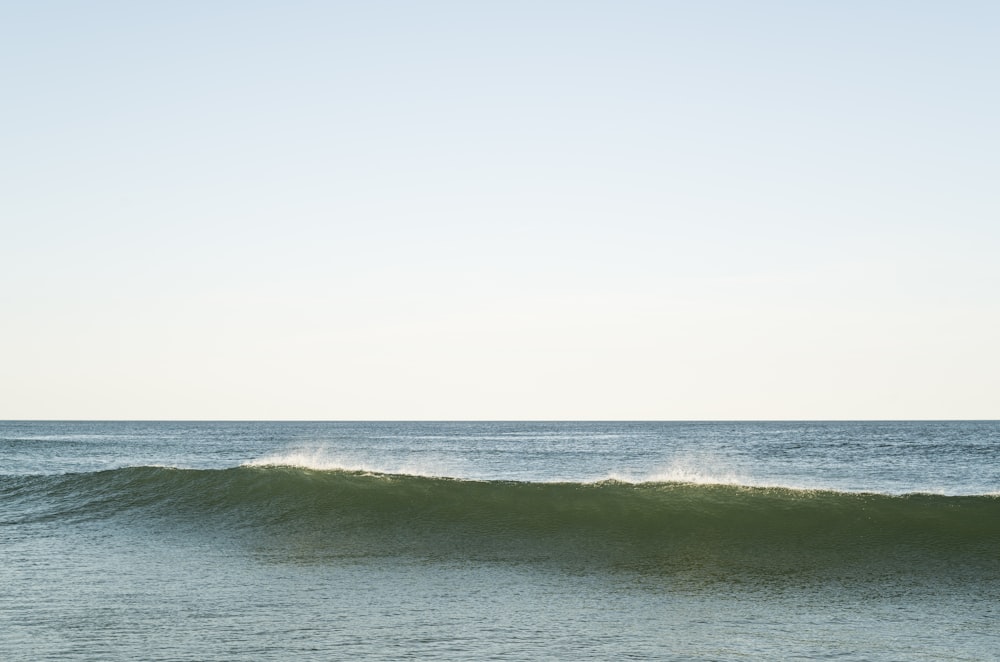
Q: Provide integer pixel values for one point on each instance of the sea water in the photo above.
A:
(507, 541)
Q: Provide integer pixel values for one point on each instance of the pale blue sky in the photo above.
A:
(452, 210)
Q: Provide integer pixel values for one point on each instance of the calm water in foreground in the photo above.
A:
(507, 541)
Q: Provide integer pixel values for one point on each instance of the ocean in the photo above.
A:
(500, 540)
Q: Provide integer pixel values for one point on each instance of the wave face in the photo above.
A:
(674, 528)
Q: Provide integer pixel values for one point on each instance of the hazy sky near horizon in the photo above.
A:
(500, 210)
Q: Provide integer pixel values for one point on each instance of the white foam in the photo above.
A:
(700, 471)
(695, 471)
(319, 459)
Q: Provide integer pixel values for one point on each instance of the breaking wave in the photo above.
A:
(658, 526)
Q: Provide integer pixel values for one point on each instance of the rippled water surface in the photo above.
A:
(221, 541)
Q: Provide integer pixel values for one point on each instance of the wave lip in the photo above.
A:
(320, 460)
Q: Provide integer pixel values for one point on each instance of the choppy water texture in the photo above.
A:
(206, 541)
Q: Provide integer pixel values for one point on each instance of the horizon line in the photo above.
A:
(500, 420)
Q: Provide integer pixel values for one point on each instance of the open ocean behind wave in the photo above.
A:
(714, 541)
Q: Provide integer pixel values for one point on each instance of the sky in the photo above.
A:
(499, 210)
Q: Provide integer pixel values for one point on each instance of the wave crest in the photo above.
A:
(319, 459)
